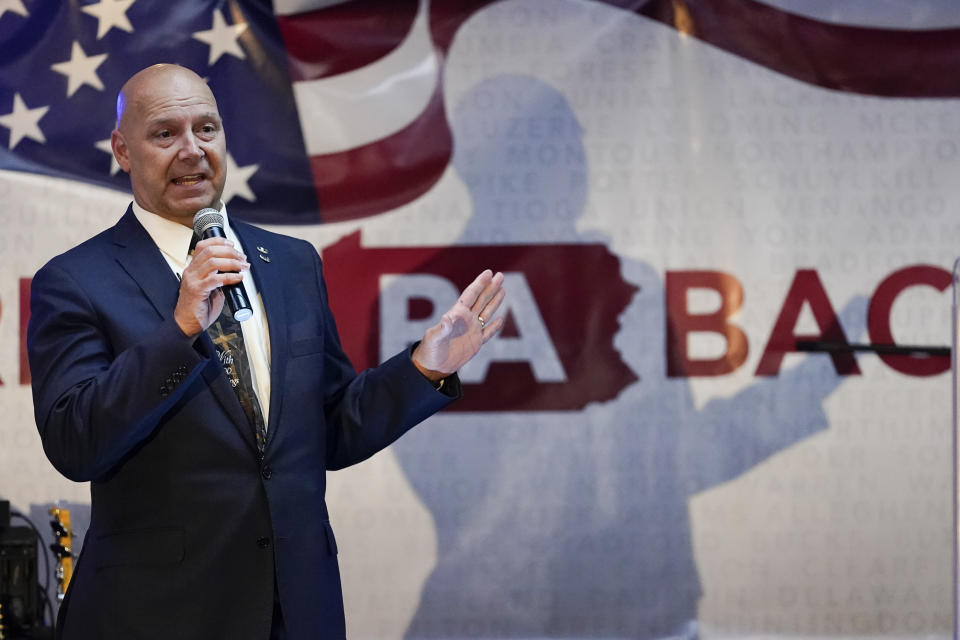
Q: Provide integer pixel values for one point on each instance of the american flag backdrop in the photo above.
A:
(334, 108)
(284, 81)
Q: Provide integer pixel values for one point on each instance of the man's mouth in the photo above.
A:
(188, 181)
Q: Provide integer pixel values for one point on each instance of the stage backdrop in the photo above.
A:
(679, 193)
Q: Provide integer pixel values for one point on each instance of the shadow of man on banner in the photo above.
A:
(576, 524)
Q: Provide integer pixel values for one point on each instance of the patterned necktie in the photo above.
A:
(227, 336)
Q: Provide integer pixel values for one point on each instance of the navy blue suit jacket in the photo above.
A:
(189, 529)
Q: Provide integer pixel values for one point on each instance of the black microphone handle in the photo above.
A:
(235, 294)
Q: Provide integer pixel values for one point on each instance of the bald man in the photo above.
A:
(206, 442)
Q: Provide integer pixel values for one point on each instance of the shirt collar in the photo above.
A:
(172, 238)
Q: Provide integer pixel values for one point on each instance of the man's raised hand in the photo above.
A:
(463, 330)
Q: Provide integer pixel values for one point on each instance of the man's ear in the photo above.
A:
(119, 146)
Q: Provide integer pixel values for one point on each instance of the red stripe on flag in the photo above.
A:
(386, 174)
(867, 60)
(344, 37)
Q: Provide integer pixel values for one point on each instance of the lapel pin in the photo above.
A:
(262, 250)
(264, 258)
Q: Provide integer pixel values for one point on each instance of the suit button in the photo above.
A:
(263, 543)
(266, 472)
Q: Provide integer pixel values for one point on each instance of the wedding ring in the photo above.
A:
(483, 323)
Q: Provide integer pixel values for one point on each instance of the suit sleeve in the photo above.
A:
(367, 412)
(94, 406)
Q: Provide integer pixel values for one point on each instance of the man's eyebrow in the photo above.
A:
(210, 115)
(165, 122)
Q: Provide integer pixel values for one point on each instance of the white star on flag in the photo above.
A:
(14, 6)
(23, 122)
(222, 38)
(104, 145)
(236, 183)
(80, 69)
(110, 14)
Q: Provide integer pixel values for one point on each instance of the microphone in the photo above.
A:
(208, 223)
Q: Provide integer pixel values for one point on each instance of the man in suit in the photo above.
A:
(206, 443)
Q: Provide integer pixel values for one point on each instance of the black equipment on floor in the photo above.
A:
(19, 579)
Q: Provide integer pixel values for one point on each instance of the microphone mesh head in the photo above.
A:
(206, 218)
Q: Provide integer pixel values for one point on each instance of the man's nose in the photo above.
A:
(190, 148)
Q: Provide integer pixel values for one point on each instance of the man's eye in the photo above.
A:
(208, 128)
(163, 134)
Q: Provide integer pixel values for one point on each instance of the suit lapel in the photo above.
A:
(139, 256)
(266, 265)
(141, 259)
